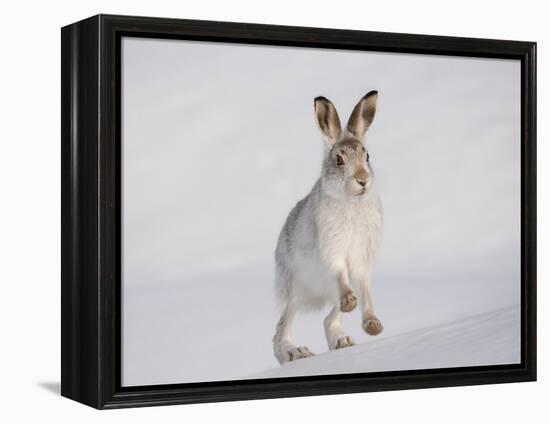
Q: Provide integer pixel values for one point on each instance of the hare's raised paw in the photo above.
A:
(299, 353)
(372, 326)
(348, 302)
(344, 341)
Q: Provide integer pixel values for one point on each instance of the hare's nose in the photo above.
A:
(361, 176)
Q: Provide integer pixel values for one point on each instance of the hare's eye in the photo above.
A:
(339, 160)
(368, 157)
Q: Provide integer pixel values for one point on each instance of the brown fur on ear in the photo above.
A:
(327, 119)
(363, 114)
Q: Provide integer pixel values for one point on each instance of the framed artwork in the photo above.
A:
(254, 211)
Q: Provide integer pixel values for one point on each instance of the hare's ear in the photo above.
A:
(327, 119)
(363, 114)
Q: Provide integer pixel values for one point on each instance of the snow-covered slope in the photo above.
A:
(485, 339)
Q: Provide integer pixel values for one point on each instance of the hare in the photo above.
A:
(327, 245)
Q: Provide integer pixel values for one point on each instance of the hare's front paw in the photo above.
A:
(372, 325)
(348, 302)
(344, 341)
(299, 353)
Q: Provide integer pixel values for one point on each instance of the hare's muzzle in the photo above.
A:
(361, 177)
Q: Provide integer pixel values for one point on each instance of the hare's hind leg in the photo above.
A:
(283, 347)
(336, 338)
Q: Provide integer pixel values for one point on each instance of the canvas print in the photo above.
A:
(294, 212)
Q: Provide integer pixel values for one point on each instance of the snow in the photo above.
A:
(219, 327)
(484, 339)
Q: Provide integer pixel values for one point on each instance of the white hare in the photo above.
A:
(327, 245)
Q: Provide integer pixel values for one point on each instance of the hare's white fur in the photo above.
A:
(328, 243)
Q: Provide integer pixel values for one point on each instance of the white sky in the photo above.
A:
(220, 141)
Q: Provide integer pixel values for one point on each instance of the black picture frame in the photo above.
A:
(91, 205)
